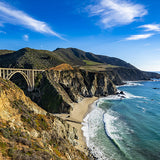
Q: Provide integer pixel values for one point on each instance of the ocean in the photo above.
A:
(126, 126)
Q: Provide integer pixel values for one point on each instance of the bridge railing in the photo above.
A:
(40, 70)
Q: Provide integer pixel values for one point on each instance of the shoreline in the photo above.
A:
(75, 119)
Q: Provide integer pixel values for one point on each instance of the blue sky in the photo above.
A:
(127, 29)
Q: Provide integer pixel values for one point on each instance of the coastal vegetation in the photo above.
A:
(29, 132)
(92, 63)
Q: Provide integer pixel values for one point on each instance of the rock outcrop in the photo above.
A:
(29, 132)
(58, 89)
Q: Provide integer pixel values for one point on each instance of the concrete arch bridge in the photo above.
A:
(28, 74)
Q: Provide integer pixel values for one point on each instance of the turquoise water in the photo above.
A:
(126, 128)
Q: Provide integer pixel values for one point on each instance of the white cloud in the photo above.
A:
(18, 17)
(151, 27)
(26, 37)
(117, 12)
(140, 36)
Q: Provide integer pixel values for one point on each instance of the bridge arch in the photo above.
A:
(28, 74)
(25, 77)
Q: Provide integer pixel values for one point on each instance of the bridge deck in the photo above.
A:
(18, 69)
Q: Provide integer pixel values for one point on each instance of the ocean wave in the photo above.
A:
(89, 130)
(130, 96)
(131, 83)
(118, 97)
(110, 128)
(110, 121)
(117, 131)
(113, 125)
(91, 124)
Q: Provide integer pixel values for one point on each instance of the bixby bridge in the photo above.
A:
(28, 74)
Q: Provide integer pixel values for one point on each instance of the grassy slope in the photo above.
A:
(91, 63)
(101, 67)
(95, 66)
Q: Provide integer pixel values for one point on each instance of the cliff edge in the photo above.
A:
(29, 132)
(58, 89)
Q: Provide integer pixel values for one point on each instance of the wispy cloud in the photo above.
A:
(26, 37)
(140, 36)
(151, 27)
(147, 44)
(11, 15)
(2, 32)
(117, 12)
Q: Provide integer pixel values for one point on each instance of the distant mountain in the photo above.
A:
(42, 59)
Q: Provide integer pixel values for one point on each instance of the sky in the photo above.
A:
(126, 29)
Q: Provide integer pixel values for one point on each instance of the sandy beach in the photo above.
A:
(76, 117)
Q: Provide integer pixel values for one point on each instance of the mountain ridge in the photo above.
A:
(72, 56)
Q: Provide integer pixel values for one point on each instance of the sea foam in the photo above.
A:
(93, 120)
(130, 83)
(91, 124)
(120, 128)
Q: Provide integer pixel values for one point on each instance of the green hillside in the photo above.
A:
(30, 58)
(5, 51)
(43, 59)
(79, 56)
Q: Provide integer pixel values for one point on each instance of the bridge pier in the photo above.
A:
(28, 74)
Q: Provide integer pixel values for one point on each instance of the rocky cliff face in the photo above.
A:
(29, 132)
(58, 89)
(64, 87)
(79, 83)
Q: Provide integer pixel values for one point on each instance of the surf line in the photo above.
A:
(112, 140)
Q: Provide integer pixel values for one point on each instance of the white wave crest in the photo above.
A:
(118, 97)
(113, 125)
(91, 124)
(131, 83)
(129, 95)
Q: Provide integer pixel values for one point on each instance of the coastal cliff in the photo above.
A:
(118, 75)
(79, 83)
(29, 132)
(57, 90)
(59, 87)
